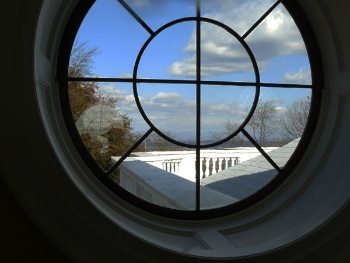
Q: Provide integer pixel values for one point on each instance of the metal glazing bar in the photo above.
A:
(88, 79)
(284, 85)
(261, 150)
(253, 84)
(262, 18)
(198, 102)
(185, 81)
(136, 16)
(131, 80)
(115, 166)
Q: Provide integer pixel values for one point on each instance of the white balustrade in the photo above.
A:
(213, 165)
(171, 165)
(160, 187)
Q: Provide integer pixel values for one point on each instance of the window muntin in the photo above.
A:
(300, 80)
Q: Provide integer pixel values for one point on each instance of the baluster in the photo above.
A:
(210, 166)
(223, 164)
(207, 164)
(166, 166)
(229, 162)
(236, 160)
(204, 166)
(217, 166)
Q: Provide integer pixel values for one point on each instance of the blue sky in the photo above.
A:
(276, 44)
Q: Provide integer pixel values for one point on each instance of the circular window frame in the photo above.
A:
(305, 30)
(249, 53)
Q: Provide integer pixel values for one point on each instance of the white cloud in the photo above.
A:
(167, 97)
(111, 91)
(186, 67)
(280, 109)
(222, 53)
(302, 76)
(139, 3)
(172, 111)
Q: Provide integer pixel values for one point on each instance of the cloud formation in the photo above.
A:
(302, 76)
(176, 113)
(221, 53)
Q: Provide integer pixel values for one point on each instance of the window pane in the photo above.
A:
(106, 118)
(171, 109)
(223, 110)
(280, 50)
(171, 54)
(162, 173)
(157, 13)
(115, 36)
(223, 58)
(232, 172)
(280, 118)
(237, 14)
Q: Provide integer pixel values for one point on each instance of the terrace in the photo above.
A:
(167, 178)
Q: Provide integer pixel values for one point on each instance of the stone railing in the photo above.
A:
(213, 165)
(171, 165)
(209, 165)
(183, 164)
(160, 187)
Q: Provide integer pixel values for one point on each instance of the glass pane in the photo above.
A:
(110, 38)
(237, 14)
(232, 173)
(223, 58)
(158, 13)
(280, 50)
(106, 119)
(280, 120)
(171, 54)
(171, 109)
(223, 110)
(161, 173)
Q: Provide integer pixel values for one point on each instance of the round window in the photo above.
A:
(189, 109)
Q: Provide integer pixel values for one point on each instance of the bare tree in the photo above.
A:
(231, 127)
(293, 121)
(87, 98)
(262, 123)
(82, 95)
(81, 60)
